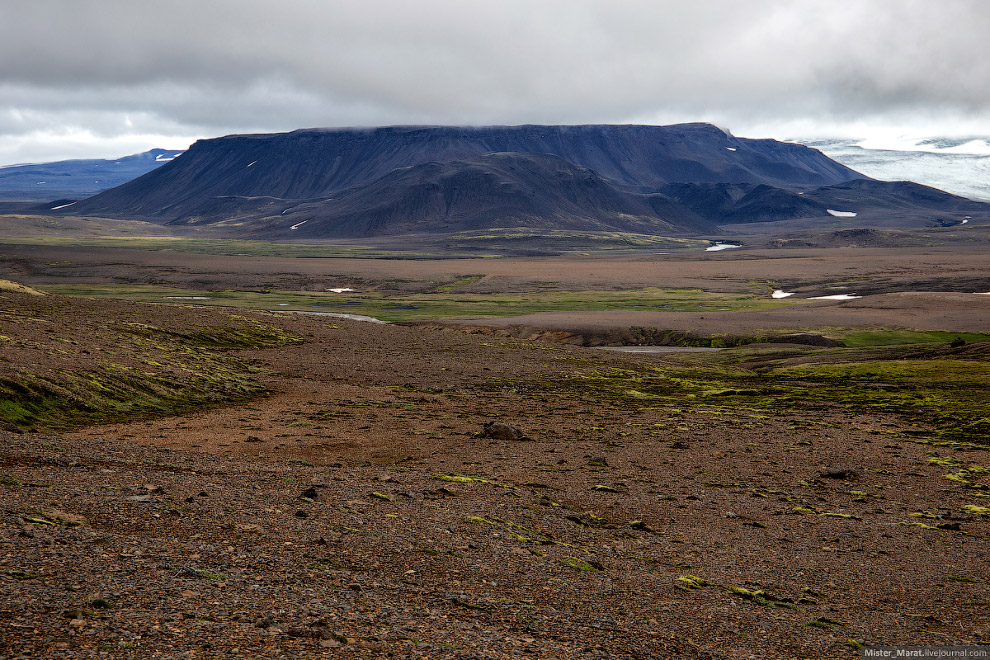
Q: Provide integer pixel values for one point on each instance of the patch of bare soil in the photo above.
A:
(359, 511)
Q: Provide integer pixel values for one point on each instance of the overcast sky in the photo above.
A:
(104, 78)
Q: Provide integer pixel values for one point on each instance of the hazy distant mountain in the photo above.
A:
(683, 179)
(957, 165)
(76, 178)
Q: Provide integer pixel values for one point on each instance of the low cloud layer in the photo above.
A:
(84, 77)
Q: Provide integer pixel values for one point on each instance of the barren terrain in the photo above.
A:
(357, 510)
(181, 480)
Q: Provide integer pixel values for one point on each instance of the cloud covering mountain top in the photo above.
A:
(75, 76)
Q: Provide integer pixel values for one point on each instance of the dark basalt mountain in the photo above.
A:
(504, 189)
(76, 178)
(724, 204)
(317, 163)
(328, 183)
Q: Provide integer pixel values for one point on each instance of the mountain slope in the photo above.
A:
(76, 178)
(537, 191)
(317, 163)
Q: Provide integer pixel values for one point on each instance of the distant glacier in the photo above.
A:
(956, 165)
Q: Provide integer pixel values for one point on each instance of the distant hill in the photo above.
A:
(74, 179)
(333, 183)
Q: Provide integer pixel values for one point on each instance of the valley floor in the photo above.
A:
(195, 482)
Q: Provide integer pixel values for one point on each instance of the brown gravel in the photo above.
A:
(194, 539)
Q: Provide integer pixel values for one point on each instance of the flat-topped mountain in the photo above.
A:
(331, 183)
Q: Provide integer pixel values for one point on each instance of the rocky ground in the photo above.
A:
(361, 509)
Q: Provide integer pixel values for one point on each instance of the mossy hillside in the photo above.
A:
(945, 395)
(129, 370)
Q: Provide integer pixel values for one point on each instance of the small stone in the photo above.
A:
(302, 514)
(253, 438)
(310, 493)
(144, 499)
(502, 431)
(13, 428)
(838, 473)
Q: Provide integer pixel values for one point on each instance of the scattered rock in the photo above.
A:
(253, 438)
(838, 473)
(310, 494)
(13, 428)
(957, 342)
(598, 461)
(265, 622)
(502, 431)
(144, 499)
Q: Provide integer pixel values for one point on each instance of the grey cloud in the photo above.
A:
(225, 66)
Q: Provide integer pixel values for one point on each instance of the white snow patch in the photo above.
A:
(842, 214)
(186, 297)
(298, 224)
(837, 296)
(55, 208)
(731, 148)
(718, 247)
(41, 183)
(251, 163)
(780, 293)
(340, 290)
(162, 158)
(984, 293)
(964, 222)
